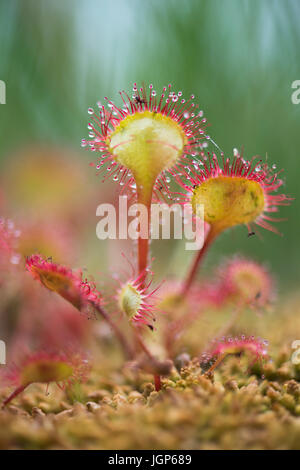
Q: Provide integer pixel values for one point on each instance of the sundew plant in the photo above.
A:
(154, 146)
(149, 225)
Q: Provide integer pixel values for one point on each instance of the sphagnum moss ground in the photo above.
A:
(237, 409)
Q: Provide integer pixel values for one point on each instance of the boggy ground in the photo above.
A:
(238, 408)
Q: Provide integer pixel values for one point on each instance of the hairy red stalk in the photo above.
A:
(212, 234)
(143, 240)
(157, 383)
(143, 249)
(218, 361)
(143, 346)
(15, 393)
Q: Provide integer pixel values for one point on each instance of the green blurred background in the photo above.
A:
(239, 57)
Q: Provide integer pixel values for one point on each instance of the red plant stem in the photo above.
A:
(143, 346)
(122, 340)
(143, 250)
(143, 253)
(145, 223)
(218, 361)
(14, 394)
(157, 382)
(197, 261)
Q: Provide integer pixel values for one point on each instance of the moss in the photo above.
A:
(239, 407)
